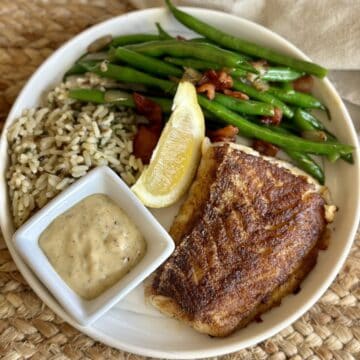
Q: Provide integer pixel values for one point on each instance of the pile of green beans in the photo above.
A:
(202, 51)
(133, 39)
(287, 141)
(159, 61)
(243, 46)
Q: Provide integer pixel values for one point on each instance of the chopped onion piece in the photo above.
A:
(314, 135)
(99, 43)
(260, 85)
(95, 56)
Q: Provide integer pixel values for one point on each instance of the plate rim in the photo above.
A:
(185, 354)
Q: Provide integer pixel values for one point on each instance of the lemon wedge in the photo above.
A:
(177, 154)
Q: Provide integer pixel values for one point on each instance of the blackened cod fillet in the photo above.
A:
(247, 235)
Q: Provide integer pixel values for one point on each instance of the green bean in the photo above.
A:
(193, 63)
(306, 163)
(238, 73)
(76, 69)
(296, 98)
(203, 65)
(275, 74)
(305, 124)
(204, 40)
(178, 48)
(88, 95)
(302, 160)
(99, 97)
(280, 74)
(306, 121)
(244, 46)
(347, 157)
(126, 99)
(127, 74)
(287, 124)
(162, 33)
(146, 63)
(245, 106)
(263, 96)
(194, 40)
(201, 39)
(252, 130)
(287, 86)
(123, 40)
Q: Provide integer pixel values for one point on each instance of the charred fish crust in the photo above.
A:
(246, 236)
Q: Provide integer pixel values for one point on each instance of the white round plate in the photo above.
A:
(133, 326)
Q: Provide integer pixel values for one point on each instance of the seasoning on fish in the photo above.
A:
(246, 236)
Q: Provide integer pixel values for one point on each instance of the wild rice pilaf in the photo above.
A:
(53, 145)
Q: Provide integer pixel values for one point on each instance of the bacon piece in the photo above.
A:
(227, 133)
(225, 80)
(221, 79)
(273, 120)
(179, 37)
(144, 142)
(207, 77)
(304, 84)
(147, 136)
(236, 94)
(207, 88)
(150, 109)
(265, 148)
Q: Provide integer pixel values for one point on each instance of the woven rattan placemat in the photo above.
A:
(29, 31)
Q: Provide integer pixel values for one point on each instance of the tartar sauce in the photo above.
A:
(93, 245)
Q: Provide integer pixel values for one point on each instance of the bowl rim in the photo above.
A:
(223, 349)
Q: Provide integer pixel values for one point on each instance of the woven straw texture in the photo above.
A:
(29, 31)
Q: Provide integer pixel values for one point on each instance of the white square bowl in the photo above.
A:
(101, 180)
